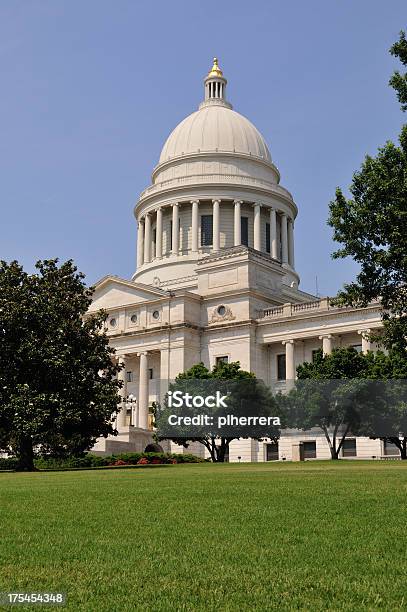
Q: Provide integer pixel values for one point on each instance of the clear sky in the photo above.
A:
(90, 89)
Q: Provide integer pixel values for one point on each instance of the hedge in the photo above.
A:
(89, 460)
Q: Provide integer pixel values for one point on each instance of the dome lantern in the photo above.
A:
(215, 86)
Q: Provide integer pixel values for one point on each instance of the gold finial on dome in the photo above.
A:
(215, 70)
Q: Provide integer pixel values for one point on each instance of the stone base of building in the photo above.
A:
(131, 440)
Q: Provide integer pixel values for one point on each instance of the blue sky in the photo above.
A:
(90, 89)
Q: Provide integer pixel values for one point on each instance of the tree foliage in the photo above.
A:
(370, 226)
(350, 392)
(247, 397)
(57, 386)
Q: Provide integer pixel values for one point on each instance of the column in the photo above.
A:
(175, 229)
(367, 345)
(257, 226)
(143, 391)
(159, 233)
(121, 417)
(273, 234)
(140, 243)
(289, 360)
(291, 242)
(284, 239)
(147, 238)
(327, 342)
(194, 225)
(237, 225)
(216, 225)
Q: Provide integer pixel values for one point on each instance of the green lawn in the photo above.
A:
(311, 536)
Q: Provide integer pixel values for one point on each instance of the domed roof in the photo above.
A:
(215, 128)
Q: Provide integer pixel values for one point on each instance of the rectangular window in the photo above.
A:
(267, 237)
(281, 369)
(150, 373)
(272, 451)
(349, 447)
(391, 449)
(310, 450)
(129, 376)
(357, 347)
(244, 230)
(170, 240)
(222, 359)
(206, 230)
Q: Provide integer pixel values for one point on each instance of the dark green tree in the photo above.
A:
(248, 396)
(347, 392)
(327, 395)
(371, 226)
(57, 387)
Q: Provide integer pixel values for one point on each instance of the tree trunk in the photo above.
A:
(403, 449)
(25, 454)
(334, 454)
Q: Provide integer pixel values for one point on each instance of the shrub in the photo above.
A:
(90, 461)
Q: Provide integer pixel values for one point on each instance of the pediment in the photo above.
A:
(112, 292)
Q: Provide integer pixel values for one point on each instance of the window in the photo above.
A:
(357, 347)
(272, 451)
(170, 240)
(150, 373)
(349, 447)
(206, 230)
(281, 371)
(113, 322)
(133, 318)
(244, 230)
(129, 376)
(267, 237)
(310, 450)
(156, 315)
(222, 359)
(390, 449)
(221, 310)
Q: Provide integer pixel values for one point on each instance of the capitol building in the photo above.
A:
(216, 280)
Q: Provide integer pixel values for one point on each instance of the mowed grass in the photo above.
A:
(312, 536)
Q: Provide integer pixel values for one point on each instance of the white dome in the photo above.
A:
(215, 128)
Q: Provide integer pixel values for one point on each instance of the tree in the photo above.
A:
(57, 387)
(370, 226)
(330, 393)
(247, 397)
(353, 392)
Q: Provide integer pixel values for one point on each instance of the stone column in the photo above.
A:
(147, 238)
(257, 226)
(121, 417)
(367, 345)
(291, 242)
(175, 228)
(159, 234)
(273, 234)
(289, 360)
(140, 243)
(327, 344)
(284, 239)
(143, 391)
(194, 225)
(237, 225)
(216, 225)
